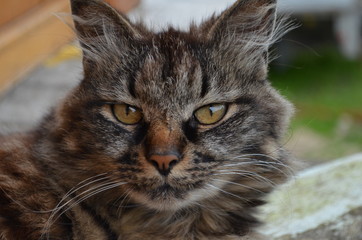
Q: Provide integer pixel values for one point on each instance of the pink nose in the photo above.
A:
(164, 163)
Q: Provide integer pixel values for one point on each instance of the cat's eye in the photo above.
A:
(211, 113)
(127, 114)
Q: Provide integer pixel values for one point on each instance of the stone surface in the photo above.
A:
(320, 203)
(28, 102)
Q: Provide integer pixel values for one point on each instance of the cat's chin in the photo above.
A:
(168, 198)
(161, 198)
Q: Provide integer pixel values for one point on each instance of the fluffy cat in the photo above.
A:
(170, 135)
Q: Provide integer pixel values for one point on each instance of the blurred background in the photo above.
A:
(319, 67)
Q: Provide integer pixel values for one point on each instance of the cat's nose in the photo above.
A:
(164, 162)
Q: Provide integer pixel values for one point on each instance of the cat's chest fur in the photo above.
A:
(170, 135)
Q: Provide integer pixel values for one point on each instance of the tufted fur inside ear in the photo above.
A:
(243, 33)
(101, 30)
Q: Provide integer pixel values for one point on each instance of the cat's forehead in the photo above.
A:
(171, 73)
(179, 69)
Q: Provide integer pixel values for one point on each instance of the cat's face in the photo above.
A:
(177, 117)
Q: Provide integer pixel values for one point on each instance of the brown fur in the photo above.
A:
(81, 174)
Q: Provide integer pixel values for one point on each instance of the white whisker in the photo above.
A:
(270, 183)
(223, 191)
(91, 192)
(239, 184)
(86, 194)
(75, 189)
(276, 162)
(265, 165)
(125, 197)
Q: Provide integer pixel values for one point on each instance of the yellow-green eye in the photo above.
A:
(211, 113)
(127, 114)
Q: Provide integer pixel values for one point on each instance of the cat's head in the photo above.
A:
(179, 117)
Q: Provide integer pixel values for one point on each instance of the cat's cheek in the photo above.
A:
(70, 144)
(215, 145)
(119, 143)
(271, 148)
(139, 198)
(117, 149)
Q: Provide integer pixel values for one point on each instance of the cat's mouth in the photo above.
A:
(163, 191)
(164, 196)
(166, 191)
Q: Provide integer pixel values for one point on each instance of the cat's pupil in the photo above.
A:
(211, 109)
(130, 109)
(214, 109)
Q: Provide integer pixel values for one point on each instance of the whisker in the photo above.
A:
(21, 205)
(51, 219)
(264, 155)
(265, 165)
(239, 184)
(253, 162)
(253, 176)
(228, 193)
(277, 161)
(86, 194)
(239, 163)
(75, 189)
(63, 198)
(124, 196)
(96, 190)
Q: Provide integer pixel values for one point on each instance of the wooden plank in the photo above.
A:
(11, 9)
(33, 37)
(31, 20)
(124, 5)
(30, 40)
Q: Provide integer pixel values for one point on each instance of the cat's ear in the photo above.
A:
(242, 34)
(101, 30)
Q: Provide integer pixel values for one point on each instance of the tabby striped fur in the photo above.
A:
(81, 174)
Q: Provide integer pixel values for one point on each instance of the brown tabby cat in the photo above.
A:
(170, 135)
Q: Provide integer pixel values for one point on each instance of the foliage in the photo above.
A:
(326, 89)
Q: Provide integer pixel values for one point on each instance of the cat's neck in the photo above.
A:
(219, 216)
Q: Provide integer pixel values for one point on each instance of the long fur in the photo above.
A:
(83, 174)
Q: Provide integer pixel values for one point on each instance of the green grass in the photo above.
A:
(327, 92)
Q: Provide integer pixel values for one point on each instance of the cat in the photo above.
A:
(170, 135)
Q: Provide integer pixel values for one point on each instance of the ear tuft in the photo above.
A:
(101, 30)
(245, 16)
(243, 33)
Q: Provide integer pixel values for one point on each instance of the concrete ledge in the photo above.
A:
(321, 203)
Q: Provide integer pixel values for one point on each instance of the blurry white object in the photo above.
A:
(348, 28)
(347, 14)
(159, 14)
(316, 6)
